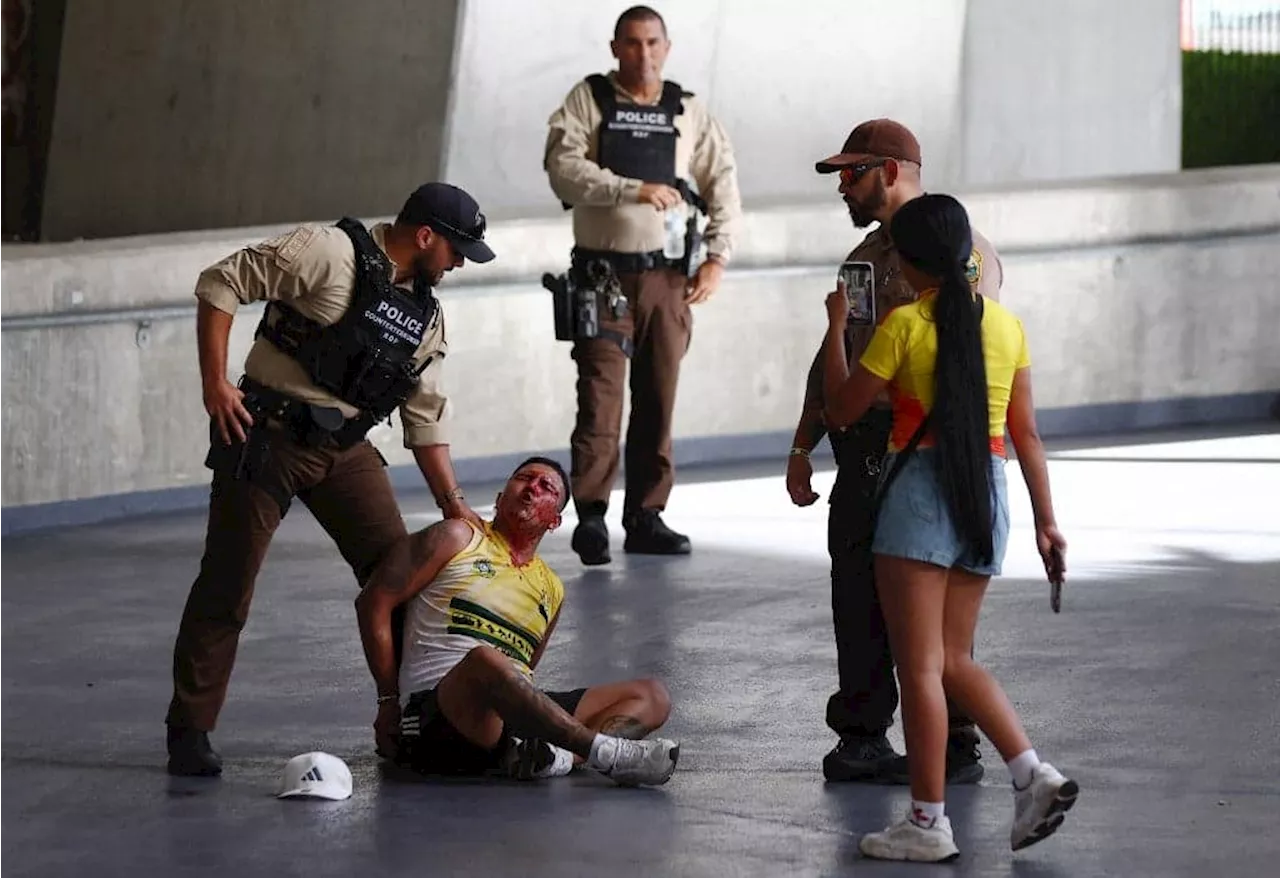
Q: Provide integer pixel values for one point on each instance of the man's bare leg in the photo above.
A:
(484, 693)
(631, 709)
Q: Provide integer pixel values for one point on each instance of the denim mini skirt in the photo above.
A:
(914, 521)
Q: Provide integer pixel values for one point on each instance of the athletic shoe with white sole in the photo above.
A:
(649, 762)
(910, 841)
(1039, 809)
(535, 759)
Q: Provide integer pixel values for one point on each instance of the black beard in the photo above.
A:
(860, 220)
(423, 286)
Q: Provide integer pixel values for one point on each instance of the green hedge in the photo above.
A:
(1230, 109)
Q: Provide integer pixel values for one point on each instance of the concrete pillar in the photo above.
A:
(184, 114)
(1071, 89)
(787, 80)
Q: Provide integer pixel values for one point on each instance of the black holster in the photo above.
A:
(278, 417)
(310, 425)
(859, 452)
(580, 296)
(248, 460)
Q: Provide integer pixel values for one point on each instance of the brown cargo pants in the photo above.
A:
(348, 492)
(660, 324)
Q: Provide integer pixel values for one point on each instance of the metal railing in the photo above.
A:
(1246, 26)
(1230, 82)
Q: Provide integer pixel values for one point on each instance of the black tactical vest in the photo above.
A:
(366, 357)
(638, 140)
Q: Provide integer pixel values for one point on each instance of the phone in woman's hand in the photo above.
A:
(857, 280)
(1056, 567)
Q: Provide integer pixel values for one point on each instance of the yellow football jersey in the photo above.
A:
(479, 597)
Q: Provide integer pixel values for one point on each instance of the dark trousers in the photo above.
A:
(863, 706)
(349, 494)
(659, 322)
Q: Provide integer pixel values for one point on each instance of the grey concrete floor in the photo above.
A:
(1157, 688)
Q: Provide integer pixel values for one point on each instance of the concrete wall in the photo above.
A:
(998, 91)
(186, 114)
(1060, 91)
(181, 114)
(1159, 291)
(787, 80)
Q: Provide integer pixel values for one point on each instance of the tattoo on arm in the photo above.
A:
(527, 711)
(422, 546)
(624, 727)
(402, 563)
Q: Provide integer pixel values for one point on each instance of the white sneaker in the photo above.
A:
(1038, 810)
(910, 841)
(650, 762)
(535, 759)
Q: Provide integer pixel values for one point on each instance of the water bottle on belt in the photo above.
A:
(673, 230)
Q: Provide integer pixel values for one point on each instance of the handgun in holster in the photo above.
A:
(580, 294)
(240, 458)
(692, 234)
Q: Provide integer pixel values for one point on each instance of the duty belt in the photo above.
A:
(863, 443)
(626, 263)
(309, 424)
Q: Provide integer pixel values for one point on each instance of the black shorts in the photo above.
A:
(429, 744)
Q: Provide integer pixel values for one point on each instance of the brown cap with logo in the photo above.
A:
(878, 138)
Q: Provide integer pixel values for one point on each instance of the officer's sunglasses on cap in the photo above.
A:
(475, 233)
(851, 174)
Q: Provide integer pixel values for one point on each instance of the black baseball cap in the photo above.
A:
(451, 212)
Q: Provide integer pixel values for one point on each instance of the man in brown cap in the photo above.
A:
(879, 167)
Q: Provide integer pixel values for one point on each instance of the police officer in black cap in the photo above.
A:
(351, 333)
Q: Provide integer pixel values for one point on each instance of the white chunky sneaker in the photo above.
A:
(1039, 809)
(909, 841)
(535, 759)
(650, 762)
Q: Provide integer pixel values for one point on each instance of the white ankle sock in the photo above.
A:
(926, 814)
(604, 751)
(1021, 767)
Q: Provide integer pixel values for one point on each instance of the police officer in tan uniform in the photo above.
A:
(620, 152)
(879, 169)
(351, 332)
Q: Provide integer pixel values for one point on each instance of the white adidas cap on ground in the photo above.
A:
(319, 775)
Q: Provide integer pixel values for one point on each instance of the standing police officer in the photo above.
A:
(879, 168)
(351, 332)
(620, 152)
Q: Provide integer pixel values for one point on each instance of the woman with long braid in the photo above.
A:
(957, 367)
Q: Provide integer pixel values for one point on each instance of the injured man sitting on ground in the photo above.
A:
(479, 606)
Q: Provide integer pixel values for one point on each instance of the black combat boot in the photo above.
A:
(648, 534)
(963, 755)
(191, 754)
(591, 536)
(861, 759)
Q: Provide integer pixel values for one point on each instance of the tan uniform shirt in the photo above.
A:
(986, 275)
(313, 269)
(606, 214)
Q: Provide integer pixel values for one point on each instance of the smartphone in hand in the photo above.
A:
(857, 281)
(1056, 567)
